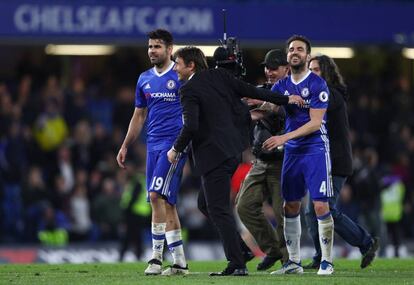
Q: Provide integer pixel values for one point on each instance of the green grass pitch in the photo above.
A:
(382, 271)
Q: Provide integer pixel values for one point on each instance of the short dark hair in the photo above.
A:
(192, 54)
(161, 34)
(299, 38)
(329, 71)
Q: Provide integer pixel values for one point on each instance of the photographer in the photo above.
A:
(262, 183)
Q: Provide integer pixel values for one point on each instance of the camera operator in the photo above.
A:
(229, 57)
(262, 183)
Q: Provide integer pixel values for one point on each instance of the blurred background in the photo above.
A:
(67, 81)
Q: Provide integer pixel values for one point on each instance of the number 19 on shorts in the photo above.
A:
(156, 183)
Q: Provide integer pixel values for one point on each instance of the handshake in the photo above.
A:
(295, 99)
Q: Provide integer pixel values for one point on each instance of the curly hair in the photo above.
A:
(329, 71)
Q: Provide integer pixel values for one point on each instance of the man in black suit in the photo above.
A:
(216, 122)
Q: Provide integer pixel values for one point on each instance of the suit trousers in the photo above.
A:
(261, 184)
(214, 203)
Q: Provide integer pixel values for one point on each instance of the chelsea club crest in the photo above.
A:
(171, 84)
(305, 92)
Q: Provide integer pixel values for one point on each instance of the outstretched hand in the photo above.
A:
(295, 99)
(252, 102)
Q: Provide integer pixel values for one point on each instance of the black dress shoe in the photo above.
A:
(247, 255)
(369, 256)
(246, 251)
(268, 262)
(229, 271)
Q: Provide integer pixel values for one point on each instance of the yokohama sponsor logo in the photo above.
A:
(162, 95)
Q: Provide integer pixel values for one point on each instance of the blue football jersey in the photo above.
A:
(159, 93)
(314, 91)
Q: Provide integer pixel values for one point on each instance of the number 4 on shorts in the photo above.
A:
(322, 189)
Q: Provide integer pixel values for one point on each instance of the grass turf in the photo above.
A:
(382, 271)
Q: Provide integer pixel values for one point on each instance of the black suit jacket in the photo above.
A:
(216, 121)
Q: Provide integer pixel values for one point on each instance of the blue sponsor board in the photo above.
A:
(105, 20)
(114, 21)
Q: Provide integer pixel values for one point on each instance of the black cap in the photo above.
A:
(275, 58)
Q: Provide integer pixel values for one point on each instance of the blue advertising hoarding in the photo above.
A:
(128, 22)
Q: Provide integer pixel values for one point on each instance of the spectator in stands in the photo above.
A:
(106, 210)
(392, 198)
(366, 186)
(136, 215)
(53, 227)
(81, 223)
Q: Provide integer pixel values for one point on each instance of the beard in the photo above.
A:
(298, 67)
(159, 61)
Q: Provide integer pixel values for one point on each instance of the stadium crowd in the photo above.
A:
(59, 136)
